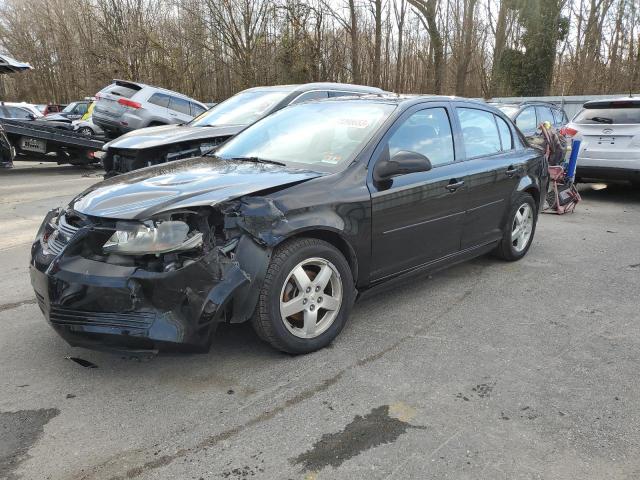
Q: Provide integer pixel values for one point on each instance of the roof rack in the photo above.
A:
(528, 102)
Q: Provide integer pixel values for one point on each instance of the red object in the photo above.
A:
(129, 103)
(568, 131)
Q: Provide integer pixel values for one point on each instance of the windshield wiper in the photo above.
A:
(259, 160)
(602, 119)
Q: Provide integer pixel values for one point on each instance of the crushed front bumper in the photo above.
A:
(104, 306)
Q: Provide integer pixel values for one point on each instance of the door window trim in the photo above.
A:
(489, 155)
(384, 138)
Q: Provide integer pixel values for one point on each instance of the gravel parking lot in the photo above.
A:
(488, 370)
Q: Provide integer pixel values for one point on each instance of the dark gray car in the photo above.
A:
(150, 146)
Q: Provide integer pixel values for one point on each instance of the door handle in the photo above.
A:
(511, 171)
(454, 185)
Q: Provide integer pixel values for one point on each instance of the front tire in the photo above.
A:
(519, 230)
(306, 296)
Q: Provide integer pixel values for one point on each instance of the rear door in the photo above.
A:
(417, 218)
(179, 109)
(493, 168)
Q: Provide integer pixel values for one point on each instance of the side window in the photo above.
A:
(196, 109)
(80, 109)
(526, 120)
(334, 94)
(317, 95)
(4, 113)
(160, 99)
(15, 112)
(479, 132)
(544, 115)
(179, 105)
(505, 134)
(559, 117)
(427, 132)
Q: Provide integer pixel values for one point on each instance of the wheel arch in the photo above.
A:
(527, 185)
(334, 238)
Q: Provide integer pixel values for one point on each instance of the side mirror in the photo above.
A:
(402, 163)
(31, 116)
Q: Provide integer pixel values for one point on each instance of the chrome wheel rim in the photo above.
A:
(311, 298)
(522, 227)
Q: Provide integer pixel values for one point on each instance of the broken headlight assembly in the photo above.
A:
(151, 238)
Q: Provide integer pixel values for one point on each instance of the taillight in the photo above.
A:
(128, 103)
(568, 132)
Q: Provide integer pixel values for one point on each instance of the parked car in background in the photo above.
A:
(23, 106)
(73, 111)
(88, 128)
(151, 146)
(609, 131)
(530, 114)
(124, 106)
(287, 222)
(46, 109)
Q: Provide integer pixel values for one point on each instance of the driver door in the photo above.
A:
(417, 218)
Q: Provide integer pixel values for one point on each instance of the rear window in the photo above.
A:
(608, 116)
(119, 90)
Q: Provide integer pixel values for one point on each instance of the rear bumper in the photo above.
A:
(607, 173)
(122, 124)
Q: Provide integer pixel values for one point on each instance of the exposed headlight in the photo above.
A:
(151, 238)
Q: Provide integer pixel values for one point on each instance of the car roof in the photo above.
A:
(406, 100)
(624, 102)
(306, 87)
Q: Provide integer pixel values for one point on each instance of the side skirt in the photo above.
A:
(430, 267)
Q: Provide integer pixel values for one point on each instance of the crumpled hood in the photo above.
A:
(185, 183)
(169, 134)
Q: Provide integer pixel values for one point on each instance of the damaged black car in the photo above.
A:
(287, 223)
(165, 143)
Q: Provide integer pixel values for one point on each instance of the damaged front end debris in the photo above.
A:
(127, 284)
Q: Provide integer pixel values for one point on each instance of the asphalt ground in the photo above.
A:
(488, 370)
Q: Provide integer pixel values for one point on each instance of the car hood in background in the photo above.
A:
(168, 135)
(55, 117)
(185, 183)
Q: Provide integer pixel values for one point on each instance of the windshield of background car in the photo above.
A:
(320, 135)
(70, 107)
(608, 116)
(242, 109)
(508, 111)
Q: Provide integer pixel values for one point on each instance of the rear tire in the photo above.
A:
(312, 280)
(519, 229)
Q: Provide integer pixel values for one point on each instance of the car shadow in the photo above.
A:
(610, 192)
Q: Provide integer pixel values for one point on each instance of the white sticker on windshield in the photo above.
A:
(354, 122)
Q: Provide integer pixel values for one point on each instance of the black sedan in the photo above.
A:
(287, 223)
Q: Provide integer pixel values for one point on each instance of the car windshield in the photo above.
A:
(508, 110)
(608, 116)
(70, 107)
(243, 108)
(320, 135)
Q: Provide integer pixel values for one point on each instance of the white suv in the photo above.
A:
(610, 135)
(124, 106)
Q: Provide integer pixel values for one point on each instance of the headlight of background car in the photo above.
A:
(150, 238)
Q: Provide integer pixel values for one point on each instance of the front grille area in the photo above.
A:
(58, 240)
(134, 321)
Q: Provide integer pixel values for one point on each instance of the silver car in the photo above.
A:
(610, 135)
(124, 106)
